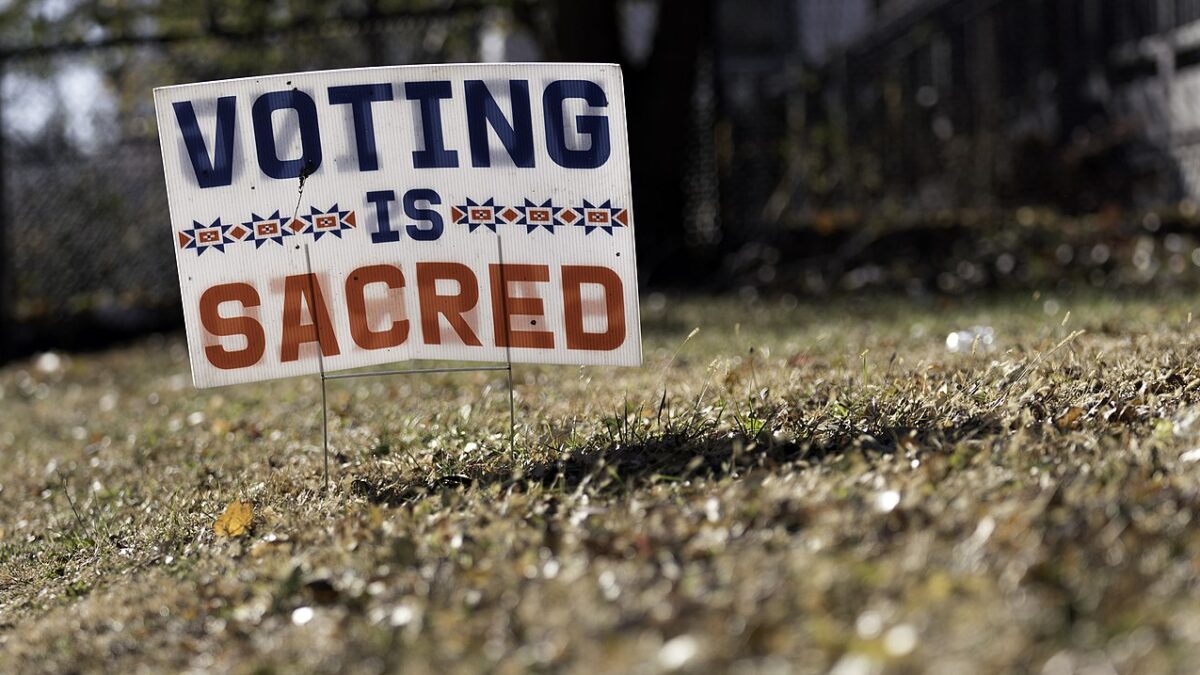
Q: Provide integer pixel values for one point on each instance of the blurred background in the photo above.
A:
(930, 149)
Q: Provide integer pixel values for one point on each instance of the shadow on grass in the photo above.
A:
(620, 466)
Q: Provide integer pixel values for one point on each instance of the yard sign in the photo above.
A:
(467, 212)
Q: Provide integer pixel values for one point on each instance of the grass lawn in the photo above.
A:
(792, 489)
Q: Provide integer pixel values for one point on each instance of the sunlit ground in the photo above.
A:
(953, 487)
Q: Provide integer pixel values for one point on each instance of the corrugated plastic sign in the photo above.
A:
(462, 212)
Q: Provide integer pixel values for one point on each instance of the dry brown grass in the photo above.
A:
(820, 487)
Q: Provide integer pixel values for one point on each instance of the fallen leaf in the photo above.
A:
(1068, 418)
(236, 520)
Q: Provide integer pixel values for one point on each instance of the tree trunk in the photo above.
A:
(659, 103)
(659, 130)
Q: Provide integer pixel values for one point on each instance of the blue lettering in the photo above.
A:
(382, 200)
(360, 97)
(264, 134)
(593, 126)
(483, 111)
(217, 171)
(430, 94)
(414, 211)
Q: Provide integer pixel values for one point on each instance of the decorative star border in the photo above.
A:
(604, 217)
(318, 223)
(482, 214)
(272, 228)
(215, 235)
(545, 215)
(487, 214)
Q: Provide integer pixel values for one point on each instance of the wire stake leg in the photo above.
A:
(321, 365)
(512, 405)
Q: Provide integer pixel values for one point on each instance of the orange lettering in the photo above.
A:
(574, 277)
(504, 306)
(247, 327)
(308, 288)
(356, 303)
(450, 306)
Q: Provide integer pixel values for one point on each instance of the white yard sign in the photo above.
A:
(467, 212)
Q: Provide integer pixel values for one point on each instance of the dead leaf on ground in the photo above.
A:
(236, 520)
(1068, 417)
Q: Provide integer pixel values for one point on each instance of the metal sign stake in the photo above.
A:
(325, 377)
(312, 291)
(512, 407)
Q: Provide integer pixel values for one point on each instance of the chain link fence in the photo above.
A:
(933, 146)
(86, 255)
(820, 130)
